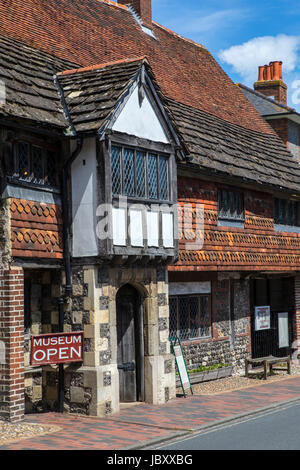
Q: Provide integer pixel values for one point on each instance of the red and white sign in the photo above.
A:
(57, 348)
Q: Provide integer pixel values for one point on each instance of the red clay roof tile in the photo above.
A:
(100, 31)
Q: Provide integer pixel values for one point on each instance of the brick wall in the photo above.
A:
(280, 126)
(12, 335)
(253, 246)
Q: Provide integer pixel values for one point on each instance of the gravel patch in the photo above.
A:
(14, 432)
(237, 382)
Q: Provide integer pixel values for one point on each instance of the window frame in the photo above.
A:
(31, 179)
(238, 198)
(146, 151)
(278, 207)
(190, 296)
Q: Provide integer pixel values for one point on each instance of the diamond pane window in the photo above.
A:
(190, 316)
(140, 161)
(286, 212)
(231, 205)
(163, 178)
(51, 169)
(204, 316)
(173, 317)
(194, 317)
(139, 174)
(116, 170)
(152, 176)
(183, 318)
(23, 158)
(128, 173)
(37, 164)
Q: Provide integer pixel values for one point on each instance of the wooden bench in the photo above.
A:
(267, 361)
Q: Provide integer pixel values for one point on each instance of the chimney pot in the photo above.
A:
(260, 73)
(276, 68)
(268, 72)
(270, 81)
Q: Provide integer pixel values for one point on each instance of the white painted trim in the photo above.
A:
(286, 228)
(119, 226)
(136, 228)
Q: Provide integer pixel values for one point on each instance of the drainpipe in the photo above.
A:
(65, 213)
(67, 261)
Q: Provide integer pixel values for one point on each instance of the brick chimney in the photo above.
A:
(270, 82)
(143, 8)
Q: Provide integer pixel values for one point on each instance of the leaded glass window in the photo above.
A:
(116, 170)
(190, 316)
(286, 212)
(137, 173)
(163, 178)
(23, 157)
(128, 172)
(152, 176)
(231, 205)
(51, 169)
(35, 164)
(140, 174)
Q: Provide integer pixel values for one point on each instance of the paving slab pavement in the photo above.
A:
(141, 425)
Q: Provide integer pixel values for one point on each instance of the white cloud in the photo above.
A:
(246, 57)
(199, 23)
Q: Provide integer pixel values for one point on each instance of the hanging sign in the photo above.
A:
(181, 365)
(262, 318)
(57, 348)
(283, 330)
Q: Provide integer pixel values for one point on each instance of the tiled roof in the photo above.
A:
(265, 106)
(97, 31)
(91, 94)
(29, 87)
(227, 149)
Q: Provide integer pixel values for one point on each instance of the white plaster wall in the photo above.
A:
(140, 120)
(84, 201)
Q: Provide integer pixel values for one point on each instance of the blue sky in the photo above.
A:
(241, 35)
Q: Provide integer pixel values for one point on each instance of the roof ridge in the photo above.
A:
(197, 44)
(268, 98)
(115, 4)
(101, 66)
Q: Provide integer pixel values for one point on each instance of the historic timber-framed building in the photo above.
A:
(121, 141)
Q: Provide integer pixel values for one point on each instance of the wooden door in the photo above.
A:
(130, 344)
(277, 293)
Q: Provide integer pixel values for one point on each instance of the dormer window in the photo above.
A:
(139, 174)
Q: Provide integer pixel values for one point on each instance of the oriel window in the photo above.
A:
(139, 174)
